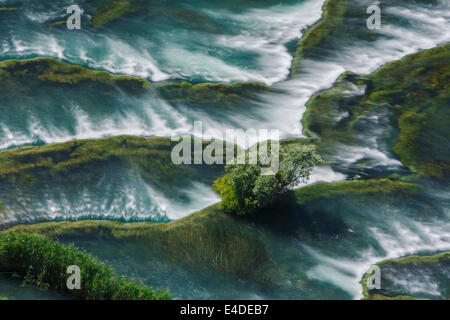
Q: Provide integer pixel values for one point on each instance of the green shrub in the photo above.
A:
(45, 262)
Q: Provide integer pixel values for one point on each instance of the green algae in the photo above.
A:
(10, 8)
(151, 157)
(211, 93)
(30, 73)
(3, 209)
(416, 261)
(378, 187)
(333, 12)
(57, 23)
(52, 70)
(114, 10)
(414, 90)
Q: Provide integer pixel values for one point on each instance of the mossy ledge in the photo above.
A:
(408, 260)
(45, 262)
(414, 90)
(332, 13)
(35, 71)
(208, 238)
(51, 70)
(151, 157)
(112, 10)
(378, 187)
(9, 8)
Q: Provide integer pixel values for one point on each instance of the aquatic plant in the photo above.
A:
(208, 238)
(45, 262)
(17, 75)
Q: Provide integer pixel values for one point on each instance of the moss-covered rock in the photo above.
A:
(434, 267)
(377, 187)
(54, 71)
(413, 90)
(151, 157)
(19, 75)
(211, 93)
(333, 12)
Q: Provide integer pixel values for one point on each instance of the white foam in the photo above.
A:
(414, 286)
(322, 174)
(406, 238)
(352, 154)
(127, 59)
(200, 196)
(127, 197)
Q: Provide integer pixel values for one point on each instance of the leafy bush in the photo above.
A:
(45, 262)
(244, 190)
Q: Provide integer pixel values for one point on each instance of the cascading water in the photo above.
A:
(212, 42)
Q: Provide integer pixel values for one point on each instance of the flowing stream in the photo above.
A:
(209, 41)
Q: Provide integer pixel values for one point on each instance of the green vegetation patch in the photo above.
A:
(45, 262)
(51, 70)
(333, 12)
(208, 238)
(151, 157)
(414, 90)
(211, 93)
(379, 187)
(113, 10)
(16, 75)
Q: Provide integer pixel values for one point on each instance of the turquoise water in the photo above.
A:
(211, 41)
(15, 289)
(195, 40)
(319, 252)
(425, 281)
(53, 113)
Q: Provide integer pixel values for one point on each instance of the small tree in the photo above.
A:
(244, 190)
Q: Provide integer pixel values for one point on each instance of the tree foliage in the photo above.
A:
(245, 190)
